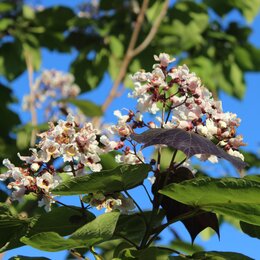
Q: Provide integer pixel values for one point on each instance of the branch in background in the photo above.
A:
(132, 51)
(153, 30)
(34, 120)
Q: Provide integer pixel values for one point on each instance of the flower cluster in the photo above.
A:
(67, 143)
(50, 87)
(111, 202)
(178, 99)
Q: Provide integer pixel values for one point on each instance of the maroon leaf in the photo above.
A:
(174, 209)
(186, 141)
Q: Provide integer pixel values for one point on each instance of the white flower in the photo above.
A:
(13, 172)
(47, 181)
(164, 59)
(121, 119)
(91, 160)
(70, 152)
(205, 157)
(129, 158)
(46, 202)
(236, 154)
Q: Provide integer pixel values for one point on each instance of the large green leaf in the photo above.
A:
(228, 196)
(62, 220)
(131, 226)
(89, 108)
(100, 229)
(123, 177)
(51, 17)
(214, 255)
(11, 60)
(251, 230)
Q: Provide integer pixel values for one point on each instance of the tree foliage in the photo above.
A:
(115, 38)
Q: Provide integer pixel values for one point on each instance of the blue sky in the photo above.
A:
(248, 110)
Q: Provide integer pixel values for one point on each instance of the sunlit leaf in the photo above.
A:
(123, 177)
(96, 231)
(221, 196)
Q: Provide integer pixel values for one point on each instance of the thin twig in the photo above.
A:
(128, 56)
(136, 204)
(147, 193)
(132, 51)
(173, 158)
(153, 30)
(128, 240)
(80, 197)
(34, 120)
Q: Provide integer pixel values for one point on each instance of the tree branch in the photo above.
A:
(153, 30)
(128, 56)
(132, 51)
(34, 120)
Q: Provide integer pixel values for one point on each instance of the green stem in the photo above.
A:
(128, 240)
(147, 193)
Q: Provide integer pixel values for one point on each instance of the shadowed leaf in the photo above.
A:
(251, 230)
(175, 209)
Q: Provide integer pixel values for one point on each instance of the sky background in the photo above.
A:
(248, 110)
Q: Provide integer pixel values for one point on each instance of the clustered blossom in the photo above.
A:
(76, 147)
(50, 87)
(111, 202)
(174, 95)
(178, 99)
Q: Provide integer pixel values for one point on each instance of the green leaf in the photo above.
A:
(22, 257)
(50, 241)
(131, 226)
(11, 60)
(62, 220)
(116, 46)
(6, 7)
(185, 247)
(51, 17)
(28, 12)
(96, 231)
(5, 23)
(151, 253)
(251, 230)
(11, 228)
(221, 196)
(236, 77)
(252, 159)
(243, 58)
(108, 160)
(123, 177)
(89, 108)
(214, 255)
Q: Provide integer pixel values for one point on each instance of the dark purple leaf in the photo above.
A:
(174, 208)
(186, 141)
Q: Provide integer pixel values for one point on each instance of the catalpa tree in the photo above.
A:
(175, 113)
